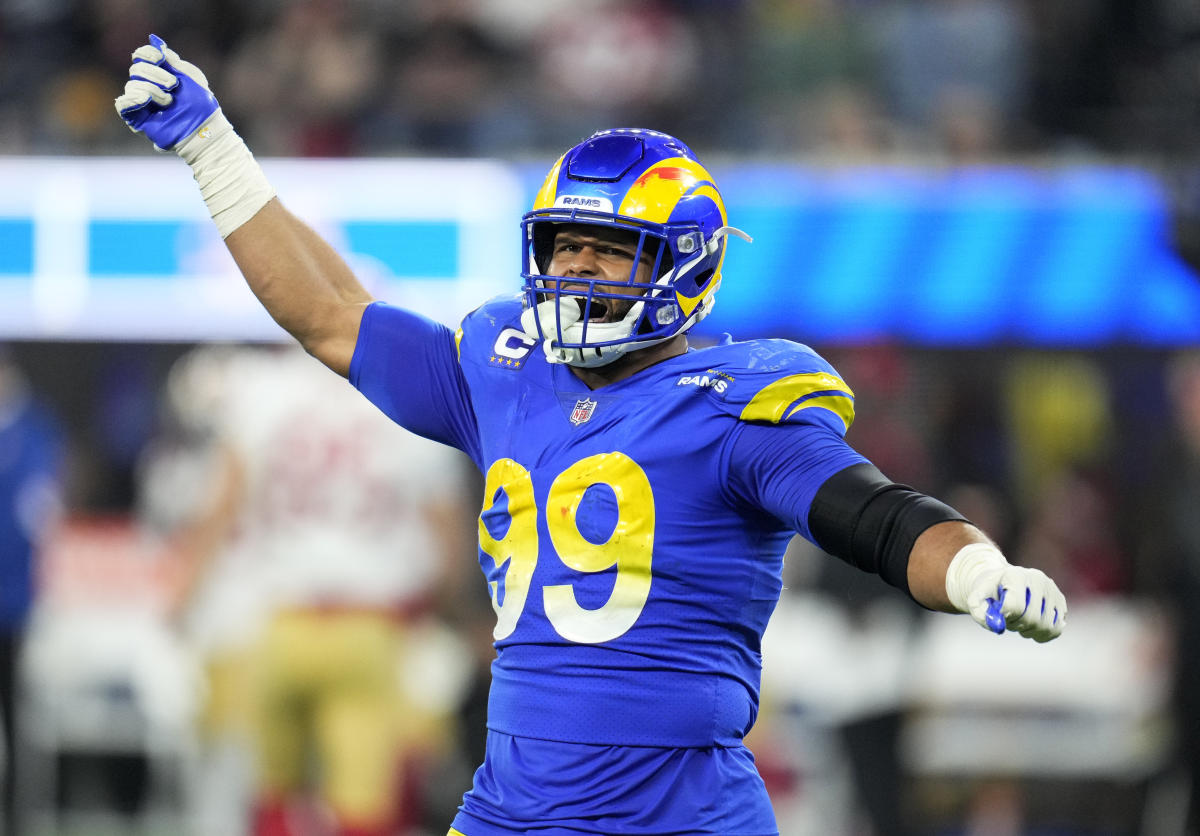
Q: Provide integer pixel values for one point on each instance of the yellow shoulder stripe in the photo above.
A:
(788, 395)
(458, 335)
(839, 405)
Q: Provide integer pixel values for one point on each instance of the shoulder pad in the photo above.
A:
(778, 382)
(491, 334)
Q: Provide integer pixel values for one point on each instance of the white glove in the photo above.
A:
(1000, 596)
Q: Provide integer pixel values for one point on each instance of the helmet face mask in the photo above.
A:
(644, 187)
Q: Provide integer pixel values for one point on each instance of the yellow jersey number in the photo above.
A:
(629, 547)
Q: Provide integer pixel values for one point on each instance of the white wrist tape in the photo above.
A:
(965, 569)
(231, 182)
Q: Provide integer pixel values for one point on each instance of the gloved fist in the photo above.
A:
(166, 97)
(1000, 596)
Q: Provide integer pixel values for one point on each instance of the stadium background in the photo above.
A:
(986, 213)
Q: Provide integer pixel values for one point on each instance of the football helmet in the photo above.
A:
(645, 183)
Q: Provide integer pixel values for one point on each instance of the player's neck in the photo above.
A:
(631, 363)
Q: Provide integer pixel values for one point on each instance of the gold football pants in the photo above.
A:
(327, 693)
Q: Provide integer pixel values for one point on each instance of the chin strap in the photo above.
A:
(562, 315)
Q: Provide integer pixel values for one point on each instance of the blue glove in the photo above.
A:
(166, 97)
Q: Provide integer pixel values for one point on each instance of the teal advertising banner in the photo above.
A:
(1073, 256)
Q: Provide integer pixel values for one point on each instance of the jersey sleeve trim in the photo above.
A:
(783, 398)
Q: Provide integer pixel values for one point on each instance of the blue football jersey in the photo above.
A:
(632, 537)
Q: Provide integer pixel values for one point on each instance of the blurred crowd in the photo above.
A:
(956, 78)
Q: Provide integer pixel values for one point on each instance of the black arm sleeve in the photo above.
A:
(871, 522)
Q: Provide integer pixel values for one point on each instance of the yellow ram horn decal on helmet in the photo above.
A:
(655, 194)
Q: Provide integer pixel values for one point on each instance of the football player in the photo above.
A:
(321, 538)
(638, 493)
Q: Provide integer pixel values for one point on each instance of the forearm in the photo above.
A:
(930, 558)
(302, 281)
(926, 547)
(875, 524)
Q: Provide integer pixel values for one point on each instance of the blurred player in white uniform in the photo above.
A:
(187, 494)
(324, 538)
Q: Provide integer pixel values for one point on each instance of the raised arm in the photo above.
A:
(302, 281)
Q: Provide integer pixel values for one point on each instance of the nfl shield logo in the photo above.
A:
(583, 410)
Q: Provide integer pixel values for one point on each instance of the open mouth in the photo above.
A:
(599, 310)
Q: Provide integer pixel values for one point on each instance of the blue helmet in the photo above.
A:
(637, 181)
